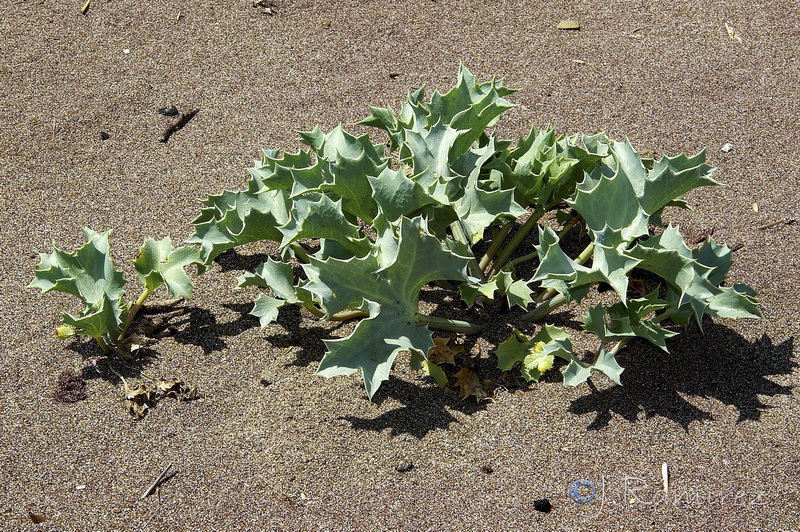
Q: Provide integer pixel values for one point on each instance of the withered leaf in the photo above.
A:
(469, 384)
(442, 353)
(139, 398)
(637, 285)
(732, 33)
(176, 388)
(36, 518)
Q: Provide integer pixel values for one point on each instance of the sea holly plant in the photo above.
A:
(620, 203)
(90, 275)
(360, 225)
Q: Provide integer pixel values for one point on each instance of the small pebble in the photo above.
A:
(126, 51)
(569, 25)
(487, 468)
(542, 505)
(168, 111)
(404, 467)
(726, 147)
(104, 135)
(80, 487)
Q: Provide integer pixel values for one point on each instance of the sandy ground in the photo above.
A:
(272, 446)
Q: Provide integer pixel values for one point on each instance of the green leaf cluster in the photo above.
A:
(89, 274)
(620, 202)
(360, 226)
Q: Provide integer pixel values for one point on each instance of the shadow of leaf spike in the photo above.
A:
(720, 365)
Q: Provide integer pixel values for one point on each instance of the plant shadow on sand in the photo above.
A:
(231, 260)
(718, 365)
(425, 406)
(424, 409)
(203, 330)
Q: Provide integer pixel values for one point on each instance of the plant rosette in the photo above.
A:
(361, 227)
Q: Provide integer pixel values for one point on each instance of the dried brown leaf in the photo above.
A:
(637, 285)
(139, 399)
(176, 388)
(442, 353)
(469, 383)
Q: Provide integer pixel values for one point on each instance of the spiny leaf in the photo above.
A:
(624, 194)
(88, 274)
(98, 321)
(428, 153)
(396, 195)
(317, 216)
(619, 321)
(576, 373)
(517, 292)
(235, 218)
(374, 345)
(294, 173)
(278, 277)
(265, 308)
(537, 353)
(611, 264)
(386, 285)
(350, 162)
(668, 256)
(478, 209)
(544, 169)
(159, 263)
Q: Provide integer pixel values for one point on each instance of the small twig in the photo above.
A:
(785, 221)
(155, 483)
(181, 120)
(85, 7)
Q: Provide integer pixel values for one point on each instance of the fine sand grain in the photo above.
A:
(272, 446)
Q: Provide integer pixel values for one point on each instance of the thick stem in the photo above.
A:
(300, 251)
(569, 225)
(523, 258)
(339, 316)
(545, 308)
(516, 240)
(448, 325)
(349, 315)
(461, 236)
(622, 343)
(496, 243)
(661, 317)
(103, 345)
(132, 313)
